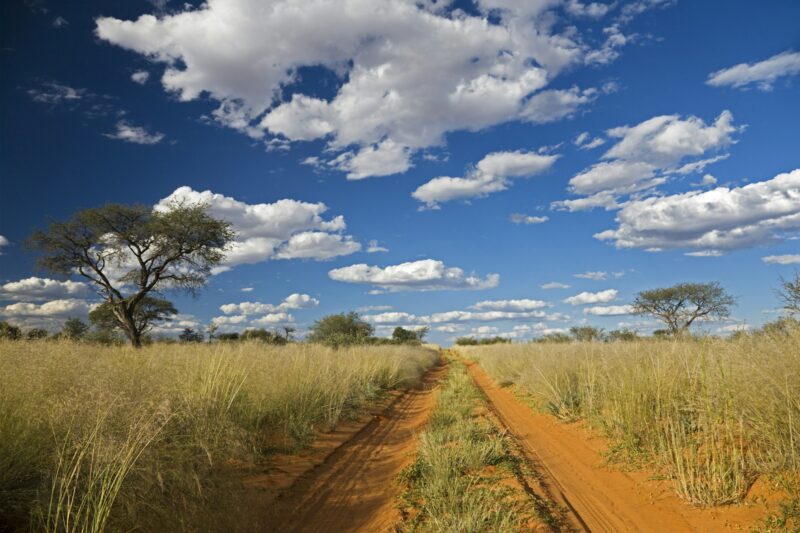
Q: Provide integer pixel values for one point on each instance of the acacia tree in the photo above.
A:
(128, 252)
(681, 305)
(148, 313)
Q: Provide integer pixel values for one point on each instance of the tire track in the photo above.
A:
(355, 489)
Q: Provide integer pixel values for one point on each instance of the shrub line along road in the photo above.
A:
(595, 497)
(355, 488)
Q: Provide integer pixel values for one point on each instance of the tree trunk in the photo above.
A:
(130, 328)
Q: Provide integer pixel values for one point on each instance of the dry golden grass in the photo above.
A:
(95, 438)
(713, 414)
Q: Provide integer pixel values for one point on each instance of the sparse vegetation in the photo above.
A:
(462, 479)
(95, 437)
(712, 414)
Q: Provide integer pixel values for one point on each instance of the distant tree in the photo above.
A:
(287, 333)
(406, 336)
(681, 305)
(211, 331)
(147, 314)
(780, 327)
(624, 335)
(190, 335)
(661, 333)
(127, 252)
(9, 332)
(586, 333)
(74, 329)
(261, 334)
(555, 337)
(227, 337)
(472, 341)
(36, 334)
(344, 328)
(789, 294)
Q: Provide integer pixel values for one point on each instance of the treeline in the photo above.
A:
(472, 341)
(343, 329)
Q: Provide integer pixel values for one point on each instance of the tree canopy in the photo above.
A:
(147, 314)
(681, 305)
(343, 328)
(127, 252)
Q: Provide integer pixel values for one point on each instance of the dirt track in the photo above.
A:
(597, 498)
(355, 488)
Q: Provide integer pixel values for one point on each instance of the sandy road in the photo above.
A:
(355, 488)
(597, 498)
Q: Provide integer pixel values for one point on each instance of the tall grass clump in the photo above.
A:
(451, 485)
(715, 414)
(97, 438)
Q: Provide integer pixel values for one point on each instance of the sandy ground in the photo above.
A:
(354, 489)
(597, 498)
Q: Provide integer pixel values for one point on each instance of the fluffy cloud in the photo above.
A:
(520, 218)
(584, 298)
(422, 275)
(55, 308)
(34, 288)
(409, 72)
(491, 174)
(762, 74)
(609, 310)
(793, 259)
(293, 301)
(715, 220)
(554, 285)
(285, 229)
(510, 305)
(235, 322)
(3, 243)
(646, 154)
(317, 245)
(134, 134)
(140, 77)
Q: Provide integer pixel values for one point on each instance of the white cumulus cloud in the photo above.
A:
(510, 305)
(422, 275)
(646, 154)
(491, 174)
(712, 221)
(35, 288)
(584, 298)
(285, 229)
(408, 72)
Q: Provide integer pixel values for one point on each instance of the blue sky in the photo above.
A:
(466, 153)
